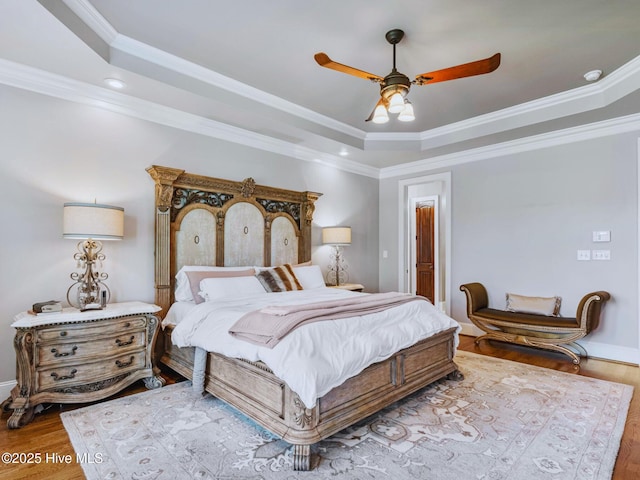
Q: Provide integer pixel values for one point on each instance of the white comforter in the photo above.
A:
(315, 358)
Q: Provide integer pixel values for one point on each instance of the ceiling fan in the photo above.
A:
(395, 86)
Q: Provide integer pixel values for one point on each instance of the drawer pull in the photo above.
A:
(57, 377)
(124, 364)
(63, 334)
(127, 325)
(120, 343)
(57, 354)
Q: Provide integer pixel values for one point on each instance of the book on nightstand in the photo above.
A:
(52, 306)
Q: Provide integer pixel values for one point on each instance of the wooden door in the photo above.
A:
(425, 250)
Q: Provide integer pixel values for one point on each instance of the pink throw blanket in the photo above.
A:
(266, 327)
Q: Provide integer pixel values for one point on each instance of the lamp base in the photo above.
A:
(337, 274)
(88, 292)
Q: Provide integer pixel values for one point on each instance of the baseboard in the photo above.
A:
(594, 349)
(612, 352)
(5, 389)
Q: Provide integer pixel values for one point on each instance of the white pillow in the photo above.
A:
(212, 289)
(183, 289)
(309, 277)
(549, 306)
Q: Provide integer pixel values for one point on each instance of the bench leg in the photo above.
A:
(535, 342)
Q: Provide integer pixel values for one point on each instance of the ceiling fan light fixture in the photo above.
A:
(406, 115)
(396, 103)
(380, 115)
(395, 86)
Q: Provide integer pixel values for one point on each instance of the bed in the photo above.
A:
(233, 226)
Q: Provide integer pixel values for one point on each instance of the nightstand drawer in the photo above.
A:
(84, 330)
(73, 352)
(80, 374)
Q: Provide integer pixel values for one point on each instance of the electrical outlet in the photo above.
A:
(601, 254)
(584, 255)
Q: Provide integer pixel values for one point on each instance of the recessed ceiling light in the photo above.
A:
(343, 152)
(115, 83)
(593, 75)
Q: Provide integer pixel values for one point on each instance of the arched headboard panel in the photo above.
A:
(244, 235)
(284, 241)
(195, 238)
(210, 221)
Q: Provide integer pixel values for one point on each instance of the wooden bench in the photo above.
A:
(541, 331)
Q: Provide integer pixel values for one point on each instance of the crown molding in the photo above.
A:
(611, 88)
(142, 51)
(57, 86)
(608, 90)
(193, 71)
(92, 18)
(591, 131)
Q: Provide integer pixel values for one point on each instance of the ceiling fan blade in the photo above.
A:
(478, 67)
(324, 61)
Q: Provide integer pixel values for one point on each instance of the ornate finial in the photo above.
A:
(248, 187)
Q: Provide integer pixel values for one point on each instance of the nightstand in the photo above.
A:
(354, 287)
(79, 357)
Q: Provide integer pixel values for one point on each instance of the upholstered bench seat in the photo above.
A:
(541, 331)
(529, 319)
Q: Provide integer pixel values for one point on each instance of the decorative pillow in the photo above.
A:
(293, 265)
(196, 276)
(183, 289)
(549, 306)
(309, 276)
(213, 289)
(279, 279)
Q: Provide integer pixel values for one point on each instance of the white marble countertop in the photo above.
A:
(70, 314)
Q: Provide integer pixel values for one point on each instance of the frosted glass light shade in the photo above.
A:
(92, 220)
(406, 115)
(396, 103)
(336, 235)
(380, 115)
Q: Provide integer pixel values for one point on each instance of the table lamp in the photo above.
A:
(338, 237)
(91, 223)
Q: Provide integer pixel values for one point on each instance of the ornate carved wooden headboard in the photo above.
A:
(209, 221)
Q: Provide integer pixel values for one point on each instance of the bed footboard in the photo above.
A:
(255, 391)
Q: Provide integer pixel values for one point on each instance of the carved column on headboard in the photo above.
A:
(267, 239)
(164, 178)
(308, 207)
(220, 238)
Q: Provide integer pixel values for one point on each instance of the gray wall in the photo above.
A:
(53, 151)
(518, 220)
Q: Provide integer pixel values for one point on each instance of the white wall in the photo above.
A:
(53, 151)
(518, 220)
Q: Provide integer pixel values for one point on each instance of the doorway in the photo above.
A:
(436, 188)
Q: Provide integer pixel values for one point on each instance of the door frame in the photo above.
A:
(413, 253)
(404, 235)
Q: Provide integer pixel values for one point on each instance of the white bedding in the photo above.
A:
(315, 358)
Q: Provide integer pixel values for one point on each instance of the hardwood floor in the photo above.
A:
(46, 434)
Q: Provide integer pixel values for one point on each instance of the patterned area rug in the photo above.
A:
(505, 420)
